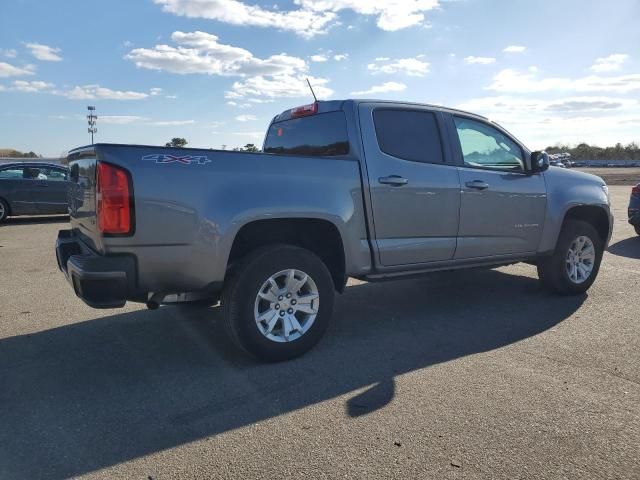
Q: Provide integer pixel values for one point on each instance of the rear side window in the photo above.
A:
(409, 134)
(11, 173)
(324, 134)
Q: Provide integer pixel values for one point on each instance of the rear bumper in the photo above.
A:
(100, 281)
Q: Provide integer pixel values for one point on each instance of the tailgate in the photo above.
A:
(82, 195)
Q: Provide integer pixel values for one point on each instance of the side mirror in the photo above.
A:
(539, 162)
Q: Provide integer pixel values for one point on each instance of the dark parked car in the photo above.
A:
(33, 189)
(634, 208)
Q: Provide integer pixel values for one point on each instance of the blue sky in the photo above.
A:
(216, 71)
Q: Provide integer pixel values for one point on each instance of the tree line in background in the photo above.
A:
(11, 153)
(178, 142)
(584, 151)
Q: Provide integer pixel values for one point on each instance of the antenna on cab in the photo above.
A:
(312, 92)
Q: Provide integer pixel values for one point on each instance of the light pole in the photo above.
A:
(91, 120)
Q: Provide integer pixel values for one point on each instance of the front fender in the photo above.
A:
(567, 190)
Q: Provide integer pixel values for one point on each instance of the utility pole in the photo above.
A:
(92, 118)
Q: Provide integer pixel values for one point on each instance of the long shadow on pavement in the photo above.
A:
(629, 247)
(93, 394)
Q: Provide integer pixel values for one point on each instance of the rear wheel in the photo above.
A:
(4, 210)
(637, 229)
(278, 303)
(574, 265)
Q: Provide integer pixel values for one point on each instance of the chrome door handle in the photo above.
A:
(395, 180)
(477, 184)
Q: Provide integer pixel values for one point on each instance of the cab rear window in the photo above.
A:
(324, 134)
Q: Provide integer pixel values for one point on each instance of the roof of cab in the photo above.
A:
(325, 106)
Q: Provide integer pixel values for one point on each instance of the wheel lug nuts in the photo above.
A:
(293, 302)
(277, 306)
(282, 313)
(290, 310)
(288, 295)
(280, 298)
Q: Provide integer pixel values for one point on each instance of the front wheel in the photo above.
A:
(574, 265)
(278, 303)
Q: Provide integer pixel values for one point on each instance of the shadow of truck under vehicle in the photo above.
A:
(93, 394)
(34, 220)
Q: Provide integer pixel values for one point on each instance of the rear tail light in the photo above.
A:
(305, 110)
(114, 203)
(636, 190)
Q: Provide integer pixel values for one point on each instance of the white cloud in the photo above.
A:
(392, 15)
(609, 64)
(120, 119)
(479, 60)
(279, 86)
(304, 22)
(8, 52)
(172, 123)
(239, 105)
(415, 67)
(138, 120)
(251, 135)
(200, 52)
(340, 57)
(8, 70)
(318, 58)
(246, 118)
(505, 105)
(2, 88)
(384, 88)
(94, 92)
(308, 17)
(515, 49)
(44, 52)
(540, 122)
(154, 92)
(514, 81)
(31, 87)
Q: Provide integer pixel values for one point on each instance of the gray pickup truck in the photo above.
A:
(373, 190)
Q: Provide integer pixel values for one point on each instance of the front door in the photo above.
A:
(502, 207)
(413, 184)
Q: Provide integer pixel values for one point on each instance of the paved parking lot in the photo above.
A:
(477, 374)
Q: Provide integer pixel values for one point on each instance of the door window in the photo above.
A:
(484, 146)
(54, 174)
(408, 134)
(11, 173)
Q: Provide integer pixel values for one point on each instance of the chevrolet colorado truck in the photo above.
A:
(374, 190)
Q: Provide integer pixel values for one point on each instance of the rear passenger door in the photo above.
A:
(413, 184)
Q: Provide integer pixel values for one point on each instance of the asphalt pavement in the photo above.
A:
(473, 374)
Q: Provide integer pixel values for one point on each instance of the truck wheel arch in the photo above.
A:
(320, 236)
(592, 214)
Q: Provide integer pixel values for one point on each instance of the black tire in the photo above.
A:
(4, 210)
(552, 270)
(239, 297)
(637, 229)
